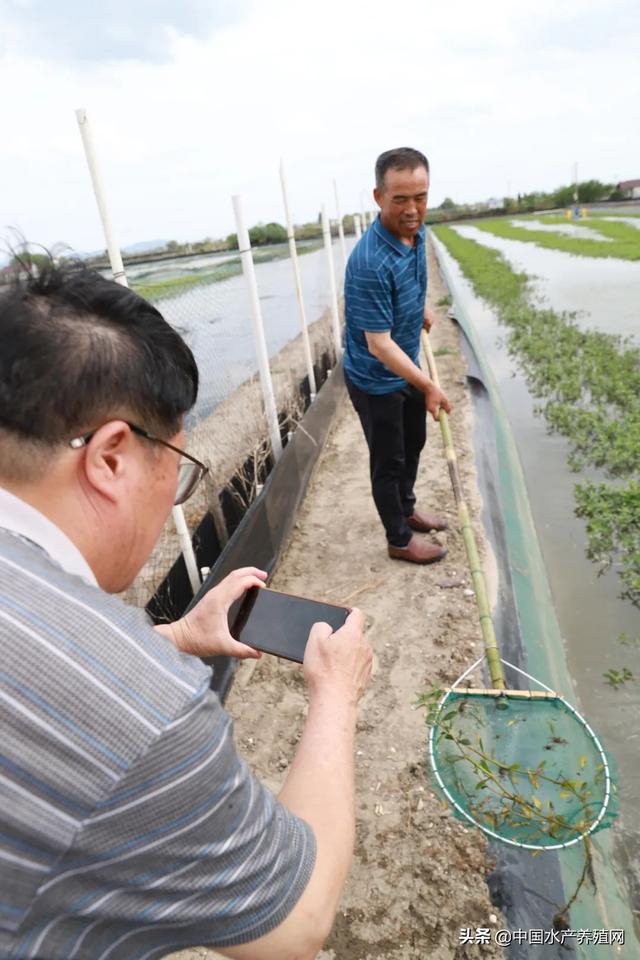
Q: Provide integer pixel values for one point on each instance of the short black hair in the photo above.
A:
(401, 158)
(76, 348)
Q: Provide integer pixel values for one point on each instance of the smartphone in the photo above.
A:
(279, 623)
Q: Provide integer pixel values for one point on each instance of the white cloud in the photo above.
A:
(496, 94)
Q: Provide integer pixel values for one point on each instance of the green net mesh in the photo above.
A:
(527, 771)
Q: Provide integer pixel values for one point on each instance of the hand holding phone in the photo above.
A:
(280, 623)
(339, 663)
(204, 630)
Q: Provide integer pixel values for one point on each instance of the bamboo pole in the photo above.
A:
(484, 609)
(119, 275)
(293, 253)
(340, 226)
(266, 383)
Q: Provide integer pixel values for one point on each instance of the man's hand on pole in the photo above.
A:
(429, 317)
(436, 399)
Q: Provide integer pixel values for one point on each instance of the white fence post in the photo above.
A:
(296, 277)
(363, 210)
(335, 314)
(115, 257)
(244, 245)
(340, 226)
(356, 226)
(119, 275)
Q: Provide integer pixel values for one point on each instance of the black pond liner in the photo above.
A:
(528, 890)
(258, 533)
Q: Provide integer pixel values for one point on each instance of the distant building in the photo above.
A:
(8, 272)
(494, 203)
(630, 189)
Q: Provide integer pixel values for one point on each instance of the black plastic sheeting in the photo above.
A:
(267, 524)
(527, 889)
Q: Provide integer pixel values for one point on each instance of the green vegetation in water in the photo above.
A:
(618, 678)
(588, 385)
(444, 301)
(623, 242)
(169, 287)
(613, 213)
(556, 791)
(618, 232)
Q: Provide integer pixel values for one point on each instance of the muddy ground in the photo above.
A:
(418, 876)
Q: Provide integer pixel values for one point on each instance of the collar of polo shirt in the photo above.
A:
(394, 242)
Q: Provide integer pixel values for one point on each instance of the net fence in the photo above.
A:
(206, 299)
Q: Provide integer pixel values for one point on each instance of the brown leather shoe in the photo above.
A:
(418, 551)
(426, 522)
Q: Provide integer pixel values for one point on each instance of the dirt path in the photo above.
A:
(418, 875)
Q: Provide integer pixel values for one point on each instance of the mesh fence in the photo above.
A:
(206, 299)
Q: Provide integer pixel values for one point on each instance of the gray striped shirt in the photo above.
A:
(128, 824)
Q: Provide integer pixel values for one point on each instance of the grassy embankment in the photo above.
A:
(155, 290)
(623, 239)
(588, 387)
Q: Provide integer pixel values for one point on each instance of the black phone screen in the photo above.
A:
(279, 623)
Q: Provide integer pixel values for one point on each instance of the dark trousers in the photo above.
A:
(395, 427)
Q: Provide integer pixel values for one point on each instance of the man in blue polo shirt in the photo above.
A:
(385, 310)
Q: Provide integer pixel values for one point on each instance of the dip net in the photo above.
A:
(522, 765)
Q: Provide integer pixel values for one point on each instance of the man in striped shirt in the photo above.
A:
(385, 291)
(129, 826)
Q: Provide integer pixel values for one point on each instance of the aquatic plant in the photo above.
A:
(168, 287)
(623, 239)
(588, 387)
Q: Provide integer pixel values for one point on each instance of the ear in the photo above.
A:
(377, 196)
(110, 460)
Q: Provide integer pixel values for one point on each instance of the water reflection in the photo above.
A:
(569, 229)
(215, 318)
(603, 290)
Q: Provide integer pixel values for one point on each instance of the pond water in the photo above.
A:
(177, 266)
(590, 614)
(569, 229)
(604, 291)
(634, 221)
(215, 318)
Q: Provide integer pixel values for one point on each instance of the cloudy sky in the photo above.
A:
(191, 101)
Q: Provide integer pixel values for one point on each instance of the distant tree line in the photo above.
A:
(265, 233)
(260, 235)
(588, 191)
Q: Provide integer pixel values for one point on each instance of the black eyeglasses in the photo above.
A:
(190, 473)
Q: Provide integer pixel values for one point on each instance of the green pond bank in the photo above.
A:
(622, 239)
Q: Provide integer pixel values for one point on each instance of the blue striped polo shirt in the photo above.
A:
(385, 289)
